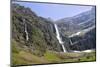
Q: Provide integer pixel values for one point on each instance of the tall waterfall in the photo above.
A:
(26, 32)
(59, 38)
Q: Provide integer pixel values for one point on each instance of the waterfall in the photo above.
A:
(26, 32)
(71, 42)
(59, 38)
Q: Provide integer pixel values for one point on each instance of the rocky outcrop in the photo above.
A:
(84, 42)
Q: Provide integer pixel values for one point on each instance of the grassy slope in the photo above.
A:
(23, 57)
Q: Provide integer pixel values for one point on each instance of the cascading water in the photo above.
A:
(59, 38)
(26, 32)
(71, 42)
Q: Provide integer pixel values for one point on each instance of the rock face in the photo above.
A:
(79, 30)
(32, 32)
(84, 42)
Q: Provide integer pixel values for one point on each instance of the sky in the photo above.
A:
(55, 11)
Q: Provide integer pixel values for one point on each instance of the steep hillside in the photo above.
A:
(76, 23)
(32, 32)
(79, 30)
(84, 41)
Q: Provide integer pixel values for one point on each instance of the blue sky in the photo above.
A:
(55, 11)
